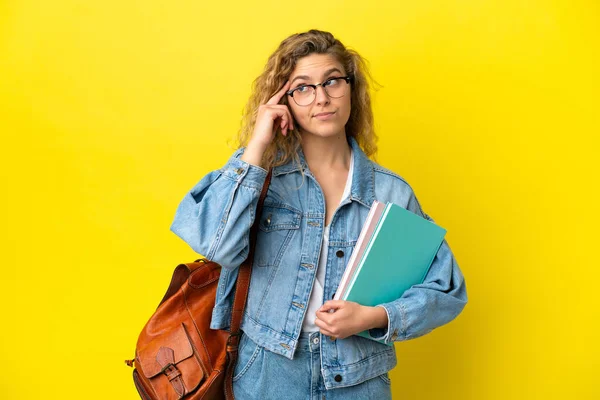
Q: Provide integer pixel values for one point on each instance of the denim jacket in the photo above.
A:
(215, 217)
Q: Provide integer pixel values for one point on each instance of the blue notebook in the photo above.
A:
(398, 256)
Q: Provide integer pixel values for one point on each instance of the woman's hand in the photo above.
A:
(348, 318)
(271, 116)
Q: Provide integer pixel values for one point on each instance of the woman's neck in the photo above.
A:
(322, 153)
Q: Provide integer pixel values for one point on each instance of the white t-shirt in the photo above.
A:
(316, 297)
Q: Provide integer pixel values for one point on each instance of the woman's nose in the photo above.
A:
(321, 96)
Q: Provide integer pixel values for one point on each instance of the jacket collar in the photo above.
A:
(363, 185)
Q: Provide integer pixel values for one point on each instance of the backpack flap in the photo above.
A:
(170, 366)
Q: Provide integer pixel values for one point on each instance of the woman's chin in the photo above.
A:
(323, 133)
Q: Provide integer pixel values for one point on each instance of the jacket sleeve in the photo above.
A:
(215, 217)
(428, 305)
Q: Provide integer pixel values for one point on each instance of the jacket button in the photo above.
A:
(338, 378)
(339, 253)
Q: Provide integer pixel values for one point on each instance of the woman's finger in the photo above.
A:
(284, 123)
(322, 324)
(283, 119)
(292, 127)
(326, 316)
(327, 332)
(332, 305)
(277, 96)
(280, 110)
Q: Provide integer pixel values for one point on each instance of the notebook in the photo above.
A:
(393, 253)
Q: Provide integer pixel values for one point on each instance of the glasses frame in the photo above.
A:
(290, 93)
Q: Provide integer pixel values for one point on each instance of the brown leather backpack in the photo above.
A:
(177, 355)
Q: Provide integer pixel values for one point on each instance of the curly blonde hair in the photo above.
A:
(277, 71)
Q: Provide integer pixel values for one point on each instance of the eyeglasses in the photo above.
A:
(305, 94)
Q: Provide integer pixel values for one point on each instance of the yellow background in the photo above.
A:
(111, 111)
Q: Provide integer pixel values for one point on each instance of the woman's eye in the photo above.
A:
(331, 82)
(301, 89)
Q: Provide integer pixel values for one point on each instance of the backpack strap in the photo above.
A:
(243, 279)
(241, 294)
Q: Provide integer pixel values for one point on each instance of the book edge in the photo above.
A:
(371, 241)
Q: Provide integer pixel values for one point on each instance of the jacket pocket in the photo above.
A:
(277, 226)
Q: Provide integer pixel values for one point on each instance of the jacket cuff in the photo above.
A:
(394, 320)
(244, 173)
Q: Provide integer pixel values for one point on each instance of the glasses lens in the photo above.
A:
(336, 87)
(304, 95)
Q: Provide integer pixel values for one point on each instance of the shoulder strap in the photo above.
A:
(243, 279)
(241, 294)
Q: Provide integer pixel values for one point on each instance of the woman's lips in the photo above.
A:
(324, 116)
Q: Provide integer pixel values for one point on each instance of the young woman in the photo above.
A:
(309, 119)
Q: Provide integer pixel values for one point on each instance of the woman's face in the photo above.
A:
(315, 69)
